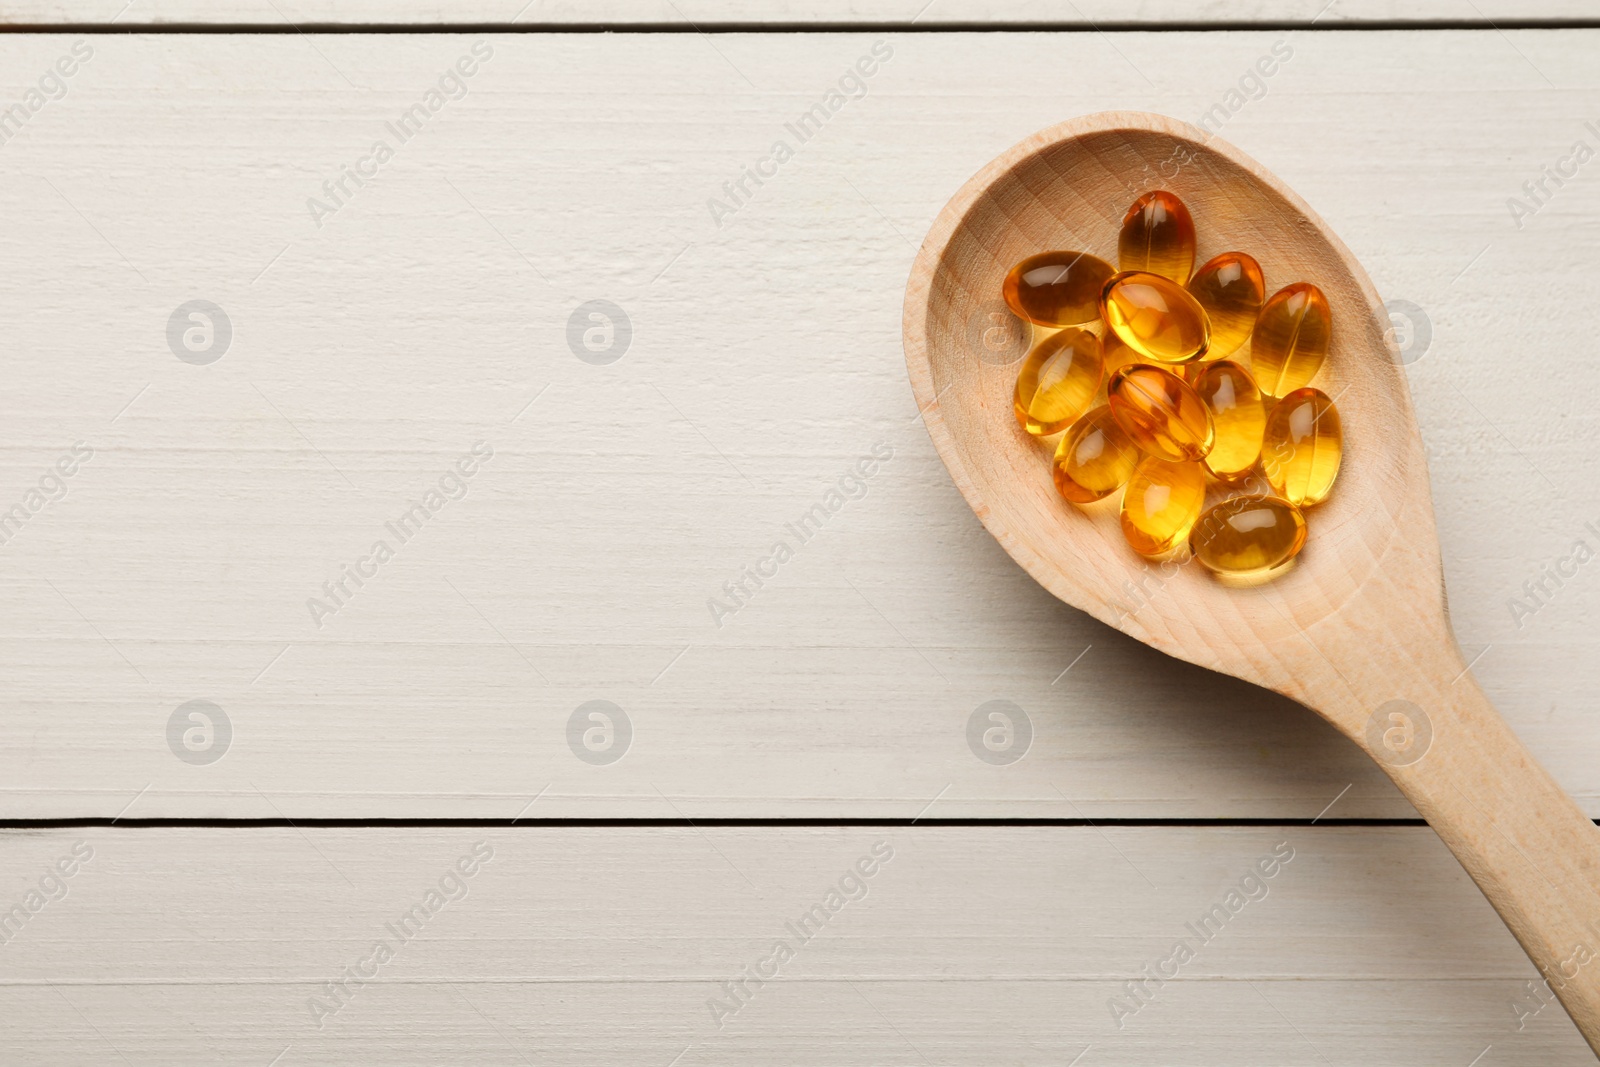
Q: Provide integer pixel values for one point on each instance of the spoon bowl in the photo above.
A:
(1357, 629)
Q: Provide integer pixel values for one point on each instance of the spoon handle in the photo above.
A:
(1524, 841)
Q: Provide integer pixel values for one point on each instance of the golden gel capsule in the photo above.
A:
(1248, 536)
(1304, 443)
(1094, 459)
(1160, 412)
(1237, 418)
(1058, 381)
(1157, 236)
(1290, 338)
(1231, 289)
(1160, 505)
(1057, 288)
(1155, 316)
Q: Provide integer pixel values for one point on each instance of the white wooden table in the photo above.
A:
(428, 312)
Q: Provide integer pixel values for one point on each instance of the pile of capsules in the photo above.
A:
(1163, 404)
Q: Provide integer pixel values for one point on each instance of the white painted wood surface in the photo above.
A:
(430, 312)
(969, 946)
(708, 13)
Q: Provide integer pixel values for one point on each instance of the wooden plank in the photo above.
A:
(965, 946)
(431, 310)
(712, 13)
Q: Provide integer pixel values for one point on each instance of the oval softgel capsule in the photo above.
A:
(1057, 288)
(1160, 412)
(1161, 505)
(1058, 381)
(1231, 289)
(1094, 459)
(1290, 339)
(1157, 235)
(1155, 316)
(1238, 419)
(1303, 447)
(1248, 536)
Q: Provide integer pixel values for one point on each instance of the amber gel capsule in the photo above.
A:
(1231, 289)
(1160, 505)
(1303, 446)
(1057, 288)
(1058, 381)
(1094, 459)
(1157, 236)
(1290, 339)
(1237, 418)
(1160, 412)
(1248, 536)
(1156, 317)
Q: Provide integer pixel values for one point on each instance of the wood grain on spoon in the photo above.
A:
(1358, 629)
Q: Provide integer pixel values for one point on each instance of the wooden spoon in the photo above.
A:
(1357, 630)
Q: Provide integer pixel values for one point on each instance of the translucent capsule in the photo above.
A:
(1290, 338)
(1231, 288)
(1160, 412)
(1057, 288)
(1303, 445)
(1157, 236)
(1237, 418)
(1094, 459)
(1058, 381)
(1155, 316)
(1248, 536)
(1160, 505)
